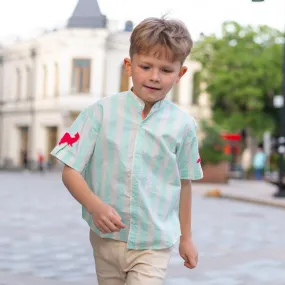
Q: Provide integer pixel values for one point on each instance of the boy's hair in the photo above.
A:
(154, 33)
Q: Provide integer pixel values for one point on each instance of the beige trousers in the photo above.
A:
(117, 265)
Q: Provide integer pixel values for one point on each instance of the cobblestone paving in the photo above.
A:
(42, 237)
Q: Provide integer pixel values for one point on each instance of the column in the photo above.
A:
(32, 98)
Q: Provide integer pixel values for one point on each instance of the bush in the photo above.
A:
(274, 162)
(212, 145)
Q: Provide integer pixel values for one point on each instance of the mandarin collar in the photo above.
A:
(139, 103)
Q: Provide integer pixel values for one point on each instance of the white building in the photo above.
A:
(47, 81)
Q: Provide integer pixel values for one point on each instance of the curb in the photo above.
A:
(216, 193)
(253, 201)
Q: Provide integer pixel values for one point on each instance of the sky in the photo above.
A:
(25, 18)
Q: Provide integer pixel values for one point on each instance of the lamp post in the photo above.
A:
(1, 105)
(280, 103)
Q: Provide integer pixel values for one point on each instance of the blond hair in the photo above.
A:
(152, 34)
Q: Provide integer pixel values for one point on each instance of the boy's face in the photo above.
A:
(153, 78)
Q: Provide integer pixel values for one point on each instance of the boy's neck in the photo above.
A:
(147, 105)
(147, 108)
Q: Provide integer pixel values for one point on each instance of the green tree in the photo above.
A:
(242, 71)
(212, 145)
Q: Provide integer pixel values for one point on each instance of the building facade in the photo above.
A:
(47, 81)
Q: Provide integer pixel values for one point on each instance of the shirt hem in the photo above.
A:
(167, 245)
(68, 163)
(192, 177)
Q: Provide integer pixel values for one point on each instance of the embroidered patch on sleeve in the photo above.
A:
(67, 138)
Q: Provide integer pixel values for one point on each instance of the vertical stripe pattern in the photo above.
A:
(135, 164)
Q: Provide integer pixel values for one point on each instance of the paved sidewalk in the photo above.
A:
(44, 241)
(258, 192)
(7, 278)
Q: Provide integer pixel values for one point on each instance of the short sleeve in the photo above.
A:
(188, 158)
(76, 146)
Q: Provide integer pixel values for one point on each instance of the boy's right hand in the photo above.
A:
(106, 219)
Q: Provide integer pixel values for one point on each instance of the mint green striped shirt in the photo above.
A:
(135, 165)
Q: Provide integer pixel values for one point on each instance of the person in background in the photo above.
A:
(25, 160)
(259, 162)
(246, 160)
(40, 161)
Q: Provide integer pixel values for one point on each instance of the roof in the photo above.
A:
(87, 14)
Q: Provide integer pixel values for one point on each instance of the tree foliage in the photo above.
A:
(212, 145)
(242, 71)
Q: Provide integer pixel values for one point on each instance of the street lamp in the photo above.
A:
(1, 104)
(279, 102)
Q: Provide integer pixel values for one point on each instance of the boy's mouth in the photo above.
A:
(152, 88)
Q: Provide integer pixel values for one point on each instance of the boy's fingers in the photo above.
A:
(189, 265)
(193, 261)
(111, 226)
(104, 229)
(116, 214)
(118, 222)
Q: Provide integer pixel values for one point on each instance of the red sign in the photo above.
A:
(232, 137)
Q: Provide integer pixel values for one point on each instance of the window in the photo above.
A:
(29, 82)
(56, 80)
(124, 85)
(81, 69)
(19, 84)
(45, 75)
(196, 88)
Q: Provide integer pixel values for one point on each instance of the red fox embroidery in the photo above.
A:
(67, 138)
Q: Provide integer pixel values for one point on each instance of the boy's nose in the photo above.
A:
(155, 76)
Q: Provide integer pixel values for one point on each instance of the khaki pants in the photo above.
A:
(117, 265)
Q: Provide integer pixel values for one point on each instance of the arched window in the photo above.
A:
(81, 75)
(124, 83)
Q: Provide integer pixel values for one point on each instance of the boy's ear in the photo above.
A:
(128, 66)
(182, 71)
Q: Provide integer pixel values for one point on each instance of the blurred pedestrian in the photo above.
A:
(40, 161)
(25, 160)
(259, 162)
(246, 162)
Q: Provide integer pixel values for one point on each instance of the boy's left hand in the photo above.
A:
(189, 252)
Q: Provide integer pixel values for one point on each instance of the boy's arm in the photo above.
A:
(187, 249)
(79, 189)
(105, 218)
(189, 165)
(185, 206)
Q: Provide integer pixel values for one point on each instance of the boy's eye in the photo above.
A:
(144, 67)
(166, 70)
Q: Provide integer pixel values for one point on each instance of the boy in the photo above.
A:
(129, 160)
